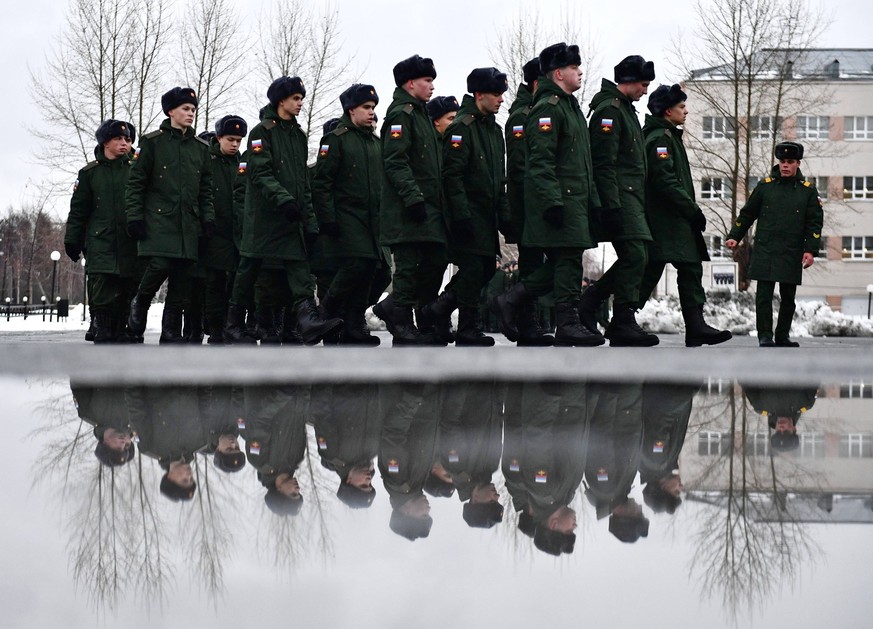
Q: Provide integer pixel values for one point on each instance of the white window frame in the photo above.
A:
(859, 248)
(709, 190)
(812, 445)
(813, 127)
(719, 128)
(861, 128)
(853, 445)
(765, 127)
(712, 441)
(858, 188)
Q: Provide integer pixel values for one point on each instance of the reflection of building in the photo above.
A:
(799, 507)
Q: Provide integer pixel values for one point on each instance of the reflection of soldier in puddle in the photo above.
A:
(513, 440)
(222, 408)
(613, 456)
(274, 429)
(105, 409)
(347, 426)
(406, 453)
(783, 407)
(469, 447)
(666, 411)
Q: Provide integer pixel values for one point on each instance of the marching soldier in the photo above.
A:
(675, 219)
(169, 205)
(620, 173)
(442, 110)
(412, 221)
(790, 216)
(97, 224)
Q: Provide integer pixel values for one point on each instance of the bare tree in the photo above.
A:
(152, 24)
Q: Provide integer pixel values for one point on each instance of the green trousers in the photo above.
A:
(353, 281)
(689, 279)
(622, 279)
(561, 274)
(418, 272)
(297, 277)
(175, 271)
(474, 273)
(764, 310)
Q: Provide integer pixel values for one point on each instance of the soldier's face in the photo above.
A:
(420, 88)
(227, 444)
(570, 77)
(229, 144)
(788, 167)
(292, 105)
(418, 507)
(362, 115)
(784, 424)
(116, 440)
(116, 147)
(677, 114)
(181, 474)
(442, 123)
(287, 485)
(182, 117)
(484, 494)
(635, 91)
(672, 485)
(489, 103)
(563, 520)
(361, 477)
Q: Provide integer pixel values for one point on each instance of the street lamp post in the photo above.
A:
(56, 255)
(24, 299)
(43, 307)
(84, 289)
(869, 297)
(8, 307)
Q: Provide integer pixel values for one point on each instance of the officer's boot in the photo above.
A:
(139, 312)
(385, 311)
(404, 332)
(331, 309)
(529, 333)
(470, 330)
(436, 317)
(356, 330)
(193, 326)
(313, 326)
(590, 302)
(623, 330)
(235, 332)
(570, 332)
(506, 308)
(89, 333)
(171, 326)
(698, 332)
(290, 334)
(427, 332)
(268, 333)
(215, 328)
(102, 320)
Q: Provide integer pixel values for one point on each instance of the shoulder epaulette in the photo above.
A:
(339, 131)
(554, 99)
(153, 134)
(408, 108)
(767, 180)
(528, 109)
(90, 165)
(807, 184)
(668, 133)
(269, 123)
(201, 140)
(616, 102)
(468, 120)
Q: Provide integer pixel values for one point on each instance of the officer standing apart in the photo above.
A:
(346, 194)
(675, 219)
(278, 219)
(788, 236)
(169, 205)
(474, 181)
(97, 224)
(412, 222)
(558, 193)
(620, 173)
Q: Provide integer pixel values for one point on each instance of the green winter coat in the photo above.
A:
(219, 252)
(411, 158)
(619, 160)
(167, 422)
(666, 411)
(670, 203)
(239, 199)
(790, 216)
(274, 429)
(347, 189)
(559, 171)
(170, 188)
(98, 220)
(474, 178)
(516, 156)
(277, 174)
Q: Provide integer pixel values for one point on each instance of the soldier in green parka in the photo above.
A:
(97, 226)
(346, 193)
(412, 219)
(558, 194)
(169, 206)
(442, 110)
(787, 239)
(474, 183)
(105, 408)
(620, 173)
(675, 219)
(279, 222)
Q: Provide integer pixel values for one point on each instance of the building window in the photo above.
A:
(856, 390)
(711, 443)
(758, 444)
(764, 127)
(812, 445)
(752, 183)
(856, 446)
(813, 127)
(857, 247)
(718, 128)
(715, 245)
(823, 250)
(858, 128)
(857, 187)
(821, 184)
(715, 188)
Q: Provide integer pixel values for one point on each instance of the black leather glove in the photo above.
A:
(210, 230)
(554, 216)
(309, 238)
(291, 210)
(417, 212)
(462, 231)
(73, 251)
(331, 230)
(507, 228)
(612, 221)
(698, 221)
(136, 230)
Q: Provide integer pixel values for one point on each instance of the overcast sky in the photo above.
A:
(457, 34)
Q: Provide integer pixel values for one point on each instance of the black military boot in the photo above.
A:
(529, 333)
(331, 308)
(139, 312)
(193, 326)
(385, 311)
(235, 332)
(290, 335)
(506, 308)
(404, 332)
(101, 318)
(215, 329)
(267, 331)
(698, 332)
(623, 330)
(590, 302)
(356, 330)
(171, 326)
(436, 317)
(89, 333)
(570, 332)
(470, 332)
(314, 327)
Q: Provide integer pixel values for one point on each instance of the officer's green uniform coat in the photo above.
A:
(170, 188)
(516, 155)
(790, 216)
